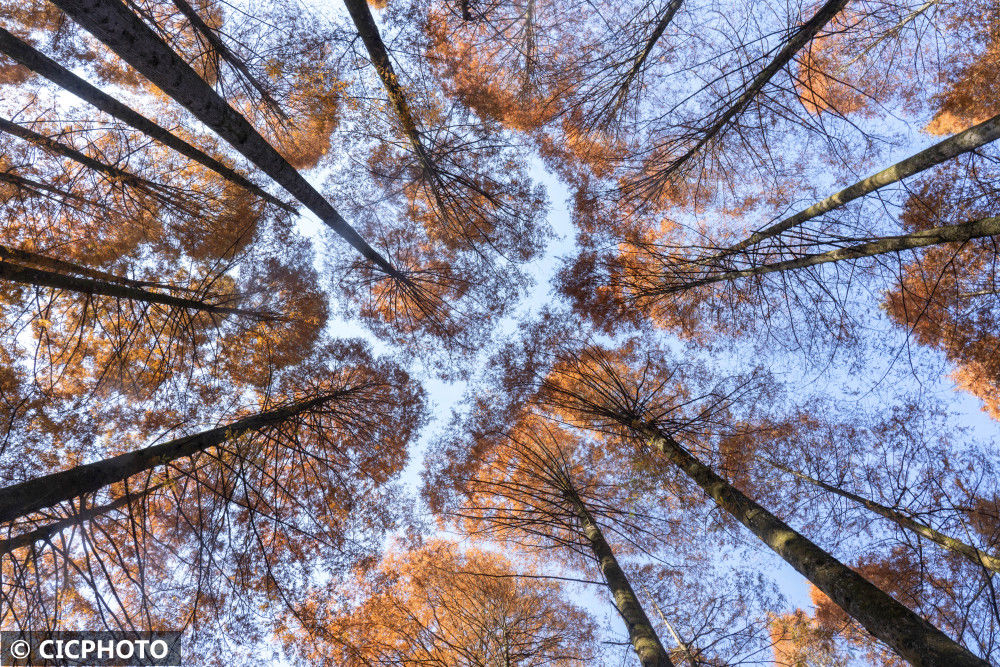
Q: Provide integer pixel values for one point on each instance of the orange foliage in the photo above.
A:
(973, 93)
(941, 298)
(442, 605)
(798, 642)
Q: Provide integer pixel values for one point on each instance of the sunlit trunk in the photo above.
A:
(22, 499)
(966, 231)
(644, 640)
(902, 630)
(903, 521)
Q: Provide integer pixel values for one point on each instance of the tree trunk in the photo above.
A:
(903, 521)
(22, 183)
(19, 500)
(966, 231)
(802, 36)
(44, 66)
(905, 632)
(213, 39)
(133, 41)
(681, 644)
(364, 23)
(27, 275)
(643, 56)
(955, 145)
(644, 640)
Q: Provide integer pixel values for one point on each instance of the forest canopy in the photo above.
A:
(479, 333)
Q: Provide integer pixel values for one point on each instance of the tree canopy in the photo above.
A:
(466, 332)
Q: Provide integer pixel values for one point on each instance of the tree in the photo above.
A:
(441, 604)
(34, 60)
(236, 511)
(136, 43)
(531, 484)
(598, 388)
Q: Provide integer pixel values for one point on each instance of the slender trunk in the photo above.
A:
(466, 12)
(802, 36)
(20, 500)
(530, 49)
(27, 275)
(891, 32)
(159, 192)
(955, 145)
(44, 66)
(905, 632)
(47, 531)
(22, 183)
(903, 521)
(364, 23)
(966, 231)
(644, 640)
(133, 41)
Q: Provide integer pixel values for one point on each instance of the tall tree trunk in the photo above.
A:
(966, 231)
(643, 55)
(20, 500)
(644, 640)
(681, 644)
(29, 185)
(27, 275)
(802, 36)
(44, 66)
(905, 632)
(217, 45)
(133, 41)
(364, 23)
(903, 521)
(968, 140)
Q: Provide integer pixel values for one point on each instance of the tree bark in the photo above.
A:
(955, 145)
(25, 258)
(681, 644)
(968, 551)
(213, 39)
(27, 275)
(133, 41)
(22, 183)
(20, 500)
(643, 56)
(966, 231)
(905, 632)
(644, 640)
(44, 66)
